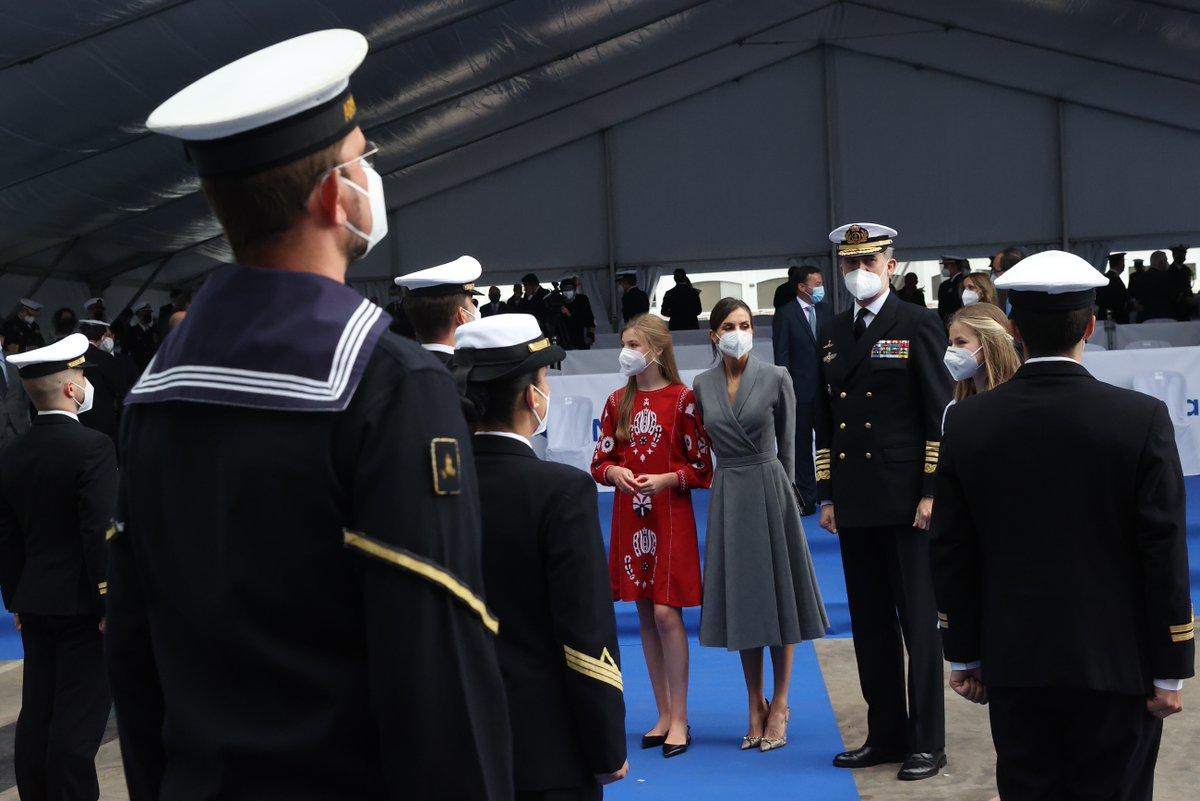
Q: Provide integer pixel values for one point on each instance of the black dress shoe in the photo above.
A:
(670, 750)
(866, 757)
(922, 766)
(653, 740)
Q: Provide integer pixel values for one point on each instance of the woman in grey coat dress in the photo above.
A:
(760, 589)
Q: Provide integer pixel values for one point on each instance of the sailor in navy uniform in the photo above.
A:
(295, 606)
(545, 570)
(1064, 602)
(878, 425)
(21, 331)
(438, 301)
(58, 487)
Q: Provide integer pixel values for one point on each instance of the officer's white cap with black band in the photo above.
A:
(90, 302)
(457, 277)
(503, 345)
(64, 354)
(93, 328)
(269, 108)
(32, 305)
(862, 239)
(1051, 281)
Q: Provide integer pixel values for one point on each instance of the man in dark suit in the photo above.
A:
(795, 335)
(58, 488)
(533, 301)
(494, 304)
(437, 301)
(141, 338)
(578, 320)
(634, 301)
(110, 377)
(1157, 291)
(1113, 299)
(546, 573)
(1065, 605)
(878, 431)
(14, 403)
(949, 297)
(681, 304)
(1181, 280)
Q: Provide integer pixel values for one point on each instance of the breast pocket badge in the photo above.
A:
(890, 349)
(447, 466)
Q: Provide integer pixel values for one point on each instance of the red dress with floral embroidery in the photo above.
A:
(654, 555)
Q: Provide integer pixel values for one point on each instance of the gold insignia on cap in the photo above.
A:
(856, 235)
(76, 362)
(541, 344)
(349, 108)
(447, 466)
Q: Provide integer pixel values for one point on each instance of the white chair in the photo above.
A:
(1088, 346)
(1143, 344)
(569, 434)
(1170, 387)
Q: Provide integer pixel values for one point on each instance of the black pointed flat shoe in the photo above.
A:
(653, 740)
(674, 750)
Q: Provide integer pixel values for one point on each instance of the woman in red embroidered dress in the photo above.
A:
(654, 450)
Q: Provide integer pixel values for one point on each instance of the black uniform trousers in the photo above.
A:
(64, 708)
(1063, 744)
(888, 571)
(592, 792)
(806, 475)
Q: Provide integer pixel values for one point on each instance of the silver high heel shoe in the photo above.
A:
(769, 744)
(749, 742)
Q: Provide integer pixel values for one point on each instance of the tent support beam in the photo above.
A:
(609, 225)
(827, 62)
(1060, 107)
(52, 266)
(149, 280)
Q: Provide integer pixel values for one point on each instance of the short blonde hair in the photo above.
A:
(1000, 359)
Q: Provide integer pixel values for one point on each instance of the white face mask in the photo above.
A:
(961, 363)
(374, 195)
(863, 284)
(569, 294)
(632, 362)
(107, 345)
(736, 344)
(543, 420)
(472, 314)
(945, 272)
(86, 405)
(970, 297)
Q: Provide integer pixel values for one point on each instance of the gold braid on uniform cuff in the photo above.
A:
(603, 669)
(103, 587)
(943, 620)
(433, 573)
(932, 451)
(823, 465)
(1184, 632)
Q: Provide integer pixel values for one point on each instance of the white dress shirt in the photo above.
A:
(509, 434)
(872, 308)
(438, 347)
(72, 415)
(810, 314)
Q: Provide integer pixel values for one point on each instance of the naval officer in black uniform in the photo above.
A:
(109, 375)
(438, 300)
(295, 601)
(878, 426)
(545, 571)
(58, 486)
(1064, 602)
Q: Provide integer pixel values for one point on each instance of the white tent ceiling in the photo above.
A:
(560, 134)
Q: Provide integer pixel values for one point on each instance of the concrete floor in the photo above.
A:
(968, 777)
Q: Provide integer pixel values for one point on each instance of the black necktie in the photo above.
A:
(860, 323)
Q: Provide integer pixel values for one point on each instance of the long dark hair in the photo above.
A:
(724, 308)
(492, 403)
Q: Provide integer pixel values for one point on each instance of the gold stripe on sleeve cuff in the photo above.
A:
(603, 669)
(1191, 635)
(426, 570)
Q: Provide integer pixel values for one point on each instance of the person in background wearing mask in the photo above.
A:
(681, 304)
(21, 331)
(1113, 300)
(340, 458)
(14, 403)
(578, 321)
(954, 269)
(109, 376)
(760, 589)
(438, 301)
(795, 335)
(910, 292)
(981, 355)
(64, 323)
(654, 450)
(879, 428)
(93, 309)
(978, 288)
(494, 304)
(634, 301)
(141, 338)
(58, 489)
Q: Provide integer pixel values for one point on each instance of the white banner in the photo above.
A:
(1172, 374)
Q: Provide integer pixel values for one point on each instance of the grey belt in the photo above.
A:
(746, 461)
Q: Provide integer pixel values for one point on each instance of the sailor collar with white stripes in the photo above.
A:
(266, 339)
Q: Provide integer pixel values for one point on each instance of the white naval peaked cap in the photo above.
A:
(90, 302)
(501, 345)
(1052, 280)
(31, 304)
(63, 354)
(143, 305)
(452, 278)
(268, 108)
(861, 239)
